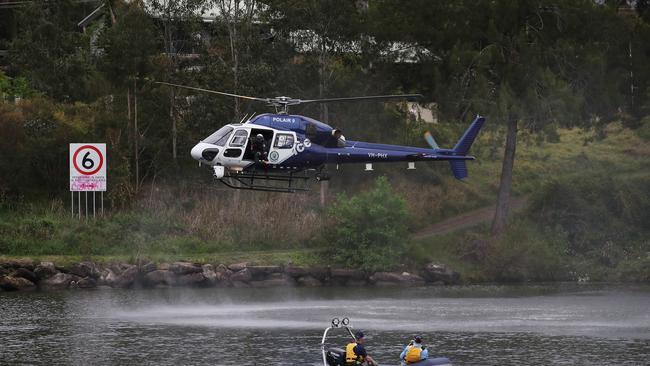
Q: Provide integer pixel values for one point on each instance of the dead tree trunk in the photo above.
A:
(505, 186)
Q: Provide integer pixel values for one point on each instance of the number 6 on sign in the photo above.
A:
(87, 167)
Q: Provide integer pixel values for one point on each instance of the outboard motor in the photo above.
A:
(335, 357)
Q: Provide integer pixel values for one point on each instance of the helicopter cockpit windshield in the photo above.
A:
(220, 137)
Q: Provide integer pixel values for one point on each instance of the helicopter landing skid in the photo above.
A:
(290, 182)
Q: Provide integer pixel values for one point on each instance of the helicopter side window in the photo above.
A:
(220, 137)
(283, 141)
(239, 139)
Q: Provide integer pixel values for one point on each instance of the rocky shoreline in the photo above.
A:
(25, 275)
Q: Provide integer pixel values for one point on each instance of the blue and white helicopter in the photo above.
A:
(297, 148)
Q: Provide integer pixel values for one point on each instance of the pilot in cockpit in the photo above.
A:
(258, 147)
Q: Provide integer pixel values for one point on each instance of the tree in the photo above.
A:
(367, 231)
(51, 52)
(129, 47)
(179, 22)
(529, 64)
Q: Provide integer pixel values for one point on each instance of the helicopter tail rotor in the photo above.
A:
(429, 139)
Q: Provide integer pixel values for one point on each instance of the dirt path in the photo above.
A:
(468, 219)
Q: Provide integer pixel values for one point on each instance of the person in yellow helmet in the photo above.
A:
(414, 352)
(355, 352)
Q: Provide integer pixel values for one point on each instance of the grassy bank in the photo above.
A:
(588, 215)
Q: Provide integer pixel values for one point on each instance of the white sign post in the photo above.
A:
(87, 172)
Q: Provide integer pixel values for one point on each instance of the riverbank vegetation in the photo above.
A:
(565, 85)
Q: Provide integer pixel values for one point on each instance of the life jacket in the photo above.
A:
(350, 356)
(413, 354)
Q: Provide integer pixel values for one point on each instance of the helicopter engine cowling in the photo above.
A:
(338, 137)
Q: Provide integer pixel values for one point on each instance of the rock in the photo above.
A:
(243, 275)
(108, 277)
(159, 277)
(26, 274)
(309, 281)
(45, 270)
(261, 272)
(59, 281)
(18, 263)
(183, 268)
(190, 279)
(148, 267)
(320, 273)
(296, 271)
(87, 282)
(10, 283)
(85, 269)
(164, 266)
(3, 271)
(276, 280)
(387, 278)
(435, 272)
(126, 278)
(236, 267)
(210, 276)
(347, 274)
(223, 273)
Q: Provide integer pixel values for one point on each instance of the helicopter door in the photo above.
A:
(235, 149)
(282, 147)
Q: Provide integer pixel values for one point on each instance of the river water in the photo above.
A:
(471, 325)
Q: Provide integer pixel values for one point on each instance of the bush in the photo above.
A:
(644, 130)
(597, 212)
(368, 231)
(525, 253)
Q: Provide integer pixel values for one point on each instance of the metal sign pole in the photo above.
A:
(86, 205)
(93, 204)
(79, 202)
(102, 203)
(72, 204)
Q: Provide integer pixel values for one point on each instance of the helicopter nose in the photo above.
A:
(196, 151)
(204, 152)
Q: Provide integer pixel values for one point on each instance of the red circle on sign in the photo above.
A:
(99, 166)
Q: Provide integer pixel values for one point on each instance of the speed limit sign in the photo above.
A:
(87, 167)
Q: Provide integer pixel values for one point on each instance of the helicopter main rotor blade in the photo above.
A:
(214, 91)
(346, 99)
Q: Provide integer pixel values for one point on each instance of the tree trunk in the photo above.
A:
(505, 186)
(136, 136)
(129, 131)
(172, 99)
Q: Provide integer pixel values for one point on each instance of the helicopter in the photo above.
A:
(281, 152)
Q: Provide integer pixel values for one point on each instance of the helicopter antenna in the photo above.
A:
(243, 119)
(282, 104)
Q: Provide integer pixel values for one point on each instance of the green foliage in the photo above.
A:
(527, 253)
(368, 231)
(603, 216)
(51, 52)
(644, 130)
(11, 88)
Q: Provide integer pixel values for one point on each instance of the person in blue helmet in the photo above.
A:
(355, 352)
(414, 352)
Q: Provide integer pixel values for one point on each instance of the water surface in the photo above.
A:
(472, 325)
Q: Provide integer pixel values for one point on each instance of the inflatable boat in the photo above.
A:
(336, 356)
